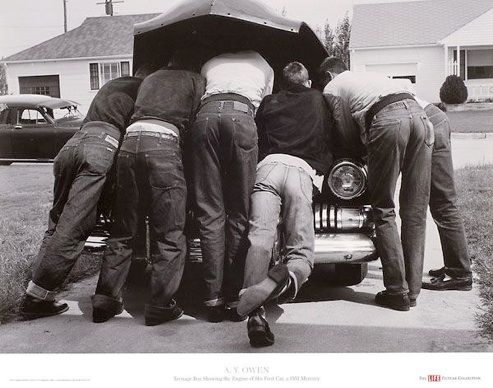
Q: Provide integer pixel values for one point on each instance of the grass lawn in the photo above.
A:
(475, 192)
(26, 192)
(471, 121)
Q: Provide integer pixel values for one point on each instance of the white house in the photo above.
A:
(425, 41)
(76, 64)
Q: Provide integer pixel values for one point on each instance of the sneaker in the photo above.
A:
(445, 282)
(155, 315)
(274, 285)
(436, 272)
(33, 308)
(258, 331)
(398, 302)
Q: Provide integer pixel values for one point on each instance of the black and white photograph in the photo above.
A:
(246, 193)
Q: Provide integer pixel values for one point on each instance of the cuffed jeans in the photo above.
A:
(150, 182)
(400, 141)
(443, 199)
(280, 191)
(80, 168)
(224, 158)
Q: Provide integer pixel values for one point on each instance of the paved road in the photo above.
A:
(323, 319)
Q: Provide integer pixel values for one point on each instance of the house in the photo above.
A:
(76, 64)
(425, 41)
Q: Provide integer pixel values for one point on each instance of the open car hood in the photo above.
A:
(232, 25)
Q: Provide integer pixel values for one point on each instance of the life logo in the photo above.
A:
(434, 378)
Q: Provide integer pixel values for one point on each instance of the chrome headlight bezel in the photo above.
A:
(359, 177)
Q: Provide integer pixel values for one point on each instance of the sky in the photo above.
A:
(25, 23)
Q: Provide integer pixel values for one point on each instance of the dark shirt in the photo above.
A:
(295, 122)
(114, 102)
(170, 95)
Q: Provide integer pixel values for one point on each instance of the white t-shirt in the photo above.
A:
(246, 73)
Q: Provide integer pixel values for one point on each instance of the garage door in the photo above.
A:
(396, 70)
(48, 85)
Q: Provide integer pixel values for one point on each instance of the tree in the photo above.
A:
(3, 80)
(337, 42)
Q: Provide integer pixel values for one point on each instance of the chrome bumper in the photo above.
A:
(346, 248)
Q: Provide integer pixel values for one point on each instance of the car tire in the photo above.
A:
(340, 274)
(5, 163)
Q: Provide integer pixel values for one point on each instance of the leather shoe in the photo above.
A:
(258, 331)
(233, 316)
(33, 308)
(436, 272)
(155, 315)
(215, 314)
(398, 302)
(105, 307)
(444, 283)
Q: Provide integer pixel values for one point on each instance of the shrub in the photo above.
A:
(453, 90)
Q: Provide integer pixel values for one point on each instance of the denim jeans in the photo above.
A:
(443, 198)
(224, 158)
(281, 193)
(80, 168)
(400, 141)
(150, 182)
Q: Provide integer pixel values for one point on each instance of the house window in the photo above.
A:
(100, 73)
(411, 78)
(479, 64)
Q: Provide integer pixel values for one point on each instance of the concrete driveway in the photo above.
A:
(323, 319)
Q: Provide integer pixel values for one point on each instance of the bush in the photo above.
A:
(453, 90)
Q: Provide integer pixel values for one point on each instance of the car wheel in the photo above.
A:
(5, 163)
(340, 274)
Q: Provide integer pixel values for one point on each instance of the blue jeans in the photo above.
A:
(150, 182)
(81, 169)
(224, 156)
(400, 141)
(443, 199)
(281, 193)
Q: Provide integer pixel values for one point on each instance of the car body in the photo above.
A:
(33, 128)
(342, 217)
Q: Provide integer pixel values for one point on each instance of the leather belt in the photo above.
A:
(382, 103)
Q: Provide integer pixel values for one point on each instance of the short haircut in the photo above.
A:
(295, 73)
(332, 64)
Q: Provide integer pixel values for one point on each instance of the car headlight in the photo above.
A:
(347, 180)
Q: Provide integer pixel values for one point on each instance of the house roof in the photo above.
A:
(95, 37)
(412, 23)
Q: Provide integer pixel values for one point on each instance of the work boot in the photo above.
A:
(155, 315)
(398, 302)
(33, 308)
(258, 330)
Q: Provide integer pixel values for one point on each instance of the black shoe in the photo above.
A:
(233, 316)
(443, 283)
(258, 331)
(33, 308)
(105, 307)
(215, 314)
(398, 302)
(437, 272)
(155, 315)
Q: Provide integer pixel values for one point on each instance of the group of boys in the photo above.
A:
(255, 157)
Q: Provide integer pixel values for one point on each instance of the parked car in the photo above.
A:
(343, 220)
(33, 128)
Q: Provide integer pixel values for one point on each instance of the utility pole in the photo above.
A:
(64, 15)
(108, 5)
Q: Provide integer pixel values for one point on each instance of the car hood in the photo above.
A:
(36, 101)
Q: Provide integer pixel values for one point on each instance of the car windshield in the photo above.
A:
(65, 113)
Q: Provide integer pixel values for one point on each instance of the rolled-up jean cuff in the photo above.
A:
(232, 304)
(214, 302)
(296, 286)
(39, 292)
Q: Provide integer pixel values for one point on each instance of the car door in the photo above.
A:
(6, 128)
(33, 135)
